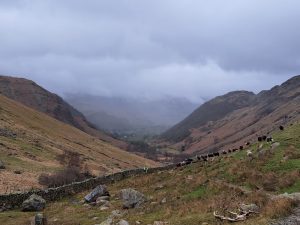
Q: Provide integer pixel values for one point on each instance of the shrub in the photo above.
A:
(66, 176)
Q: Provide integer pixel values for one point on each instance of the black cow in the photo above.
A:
(224, 152)
(211, 155)
(248, 143)
(259, 139)
(204, 157)
(216, 154)
(269, 139)
(264, 138)
(188, 161)
(281, 127)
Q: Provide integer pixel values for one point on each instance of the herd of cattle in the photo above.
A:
(205, 157)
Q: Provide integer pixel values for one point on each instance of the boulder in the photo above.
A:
(159, 223)
(293, 196)
(123, 222)
(249, 208)
(275, 145)
(33, 203)
(106, 198)
(39, 219)
(2, 165)
(97, 192)
(131, 198)
(116, 214)
(100, 202)
(109, 221)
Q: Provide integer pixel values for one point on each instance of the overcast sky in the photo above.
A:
(151, 48)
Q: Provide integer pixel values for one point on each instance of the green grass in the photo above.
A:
(292, 189)
(199, 192)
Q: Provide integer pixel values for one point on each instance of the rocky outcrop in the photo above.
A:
(132, 198)
(33, 203)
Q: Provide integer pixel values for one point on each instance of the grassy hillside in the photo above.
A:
(31, 142)
(192, 193)
(36, 97)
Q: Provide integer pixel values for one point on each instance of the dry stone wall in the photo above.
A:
(15, 200)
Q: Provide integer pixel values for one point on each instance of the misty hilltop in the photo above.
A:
(132, 115)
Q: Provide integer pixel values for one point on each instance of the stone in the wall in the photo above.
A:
(33, 203)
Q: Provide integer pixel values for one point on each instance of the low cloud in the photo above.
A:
(151, 49)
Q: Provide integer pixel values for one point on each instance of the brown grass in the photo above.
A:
(40, 139)
(278, 208)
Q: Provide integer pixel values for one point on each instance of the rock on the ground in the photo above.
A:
(293, 196)
(39, 219)
(250, 207)
(2, 165)
(160, 223)
(97, 192)
(105, 197)
(116, 213)
(275, 145)
(132, 198)
(123, 222)
(109, 221)
(293, 219)
(33, 203)
(104, 208)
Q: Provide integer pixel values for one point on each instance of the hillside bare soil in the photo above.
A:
(31, 143)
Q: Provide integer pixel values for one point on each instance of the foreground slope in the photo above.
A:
(32, 95)
(31, 142)
(231, 120)
(189, 195)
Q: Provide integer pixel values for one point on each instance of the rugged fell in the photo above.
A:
(32, 143)
(32, 95)
(230, 120)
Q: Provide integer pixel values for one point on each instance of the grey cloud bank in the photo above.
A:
(192, 48)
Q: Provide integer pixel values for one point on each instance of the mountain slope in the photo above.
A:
(32, 95)
(230, 120)
(31, 142)
(210, 111)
